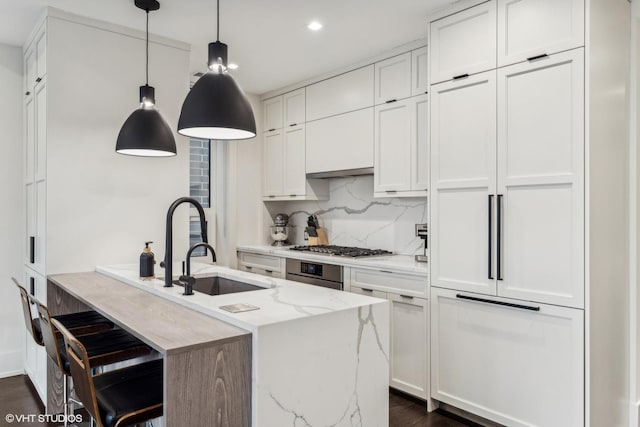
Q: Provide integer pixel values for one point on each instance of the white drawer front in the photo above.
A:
(265, 262)
(384, 281)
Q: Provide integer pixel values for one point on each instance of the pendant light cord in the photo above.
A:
(218, 19)
(147, 48)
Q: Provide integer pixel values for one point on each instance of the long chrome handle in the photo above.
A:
(499, 237)
(490, 238)
(32, 249)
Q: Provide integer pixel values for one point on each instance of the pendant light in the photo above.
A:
(216, 108)
(146, 132)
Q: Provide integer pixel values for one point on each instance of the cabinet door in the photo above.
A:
(30, 68)
(515, 366)
(392, 160)
(419, 71)
(40, 227)
(294, 161)
(419, 143)
(273, 163)
(40, 160)
(409, 359)
(463, 43)
(30, 138)
(393, 78)
(541, 175)
(273, 118)
(41, 53)
(30, 345)
(35, 355)
(340, 142)
(463, 175)
(294, 108)
(340, 94)
(529, 28)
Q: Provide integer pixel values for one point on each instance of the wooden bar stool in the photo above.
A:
(80, 323)
(119, 398)
(102, 348)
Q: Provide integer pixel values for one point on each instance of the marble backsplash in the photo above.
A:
(353, 217)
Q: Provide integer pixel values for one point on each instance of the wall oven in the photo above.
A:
(315, 273)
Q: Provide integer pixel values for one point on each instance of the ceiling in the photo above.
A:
(268, 39)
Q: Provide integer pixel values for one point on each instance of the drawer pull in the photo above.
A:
(391, 101)
(248, 267)
(406, 296)
(533, 58)
(293, 124)
(32, 249)
(32, 287)
(506, 304)
(39, 79)
(269, 271)
(366, 290)
(27, 93)
(461, 76)
(390, 191)
(386, 271)
(272, 129)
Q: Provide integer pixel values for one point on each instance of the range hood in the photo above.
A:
(340, 173)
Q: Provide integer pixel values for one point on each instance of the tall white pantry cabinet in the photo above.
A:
(529, 222)
(86, 205)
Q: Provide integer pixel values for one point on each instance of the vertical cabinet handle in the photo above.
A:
(490, 238)
(32, 287)
(32, 249)
(499, 237)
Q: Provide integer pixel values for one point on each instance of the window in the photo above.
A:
(199, 187)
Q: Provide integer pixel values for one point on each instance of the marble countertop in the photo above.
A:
(280, 301)
(396, 263)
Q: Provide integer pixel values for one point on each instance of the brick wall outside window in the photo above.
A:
(199, 184)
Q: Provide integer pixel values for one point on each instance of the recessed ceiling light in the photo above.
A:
(314, 26)
(232, 66)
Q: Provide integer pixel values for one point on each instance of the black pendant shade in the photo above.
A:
(216, 108)
(146, 132)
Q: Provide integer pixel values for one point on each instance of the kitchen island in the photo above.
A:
(318, 356)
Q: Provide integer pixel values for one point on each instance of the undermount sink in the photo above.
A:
(220, 285)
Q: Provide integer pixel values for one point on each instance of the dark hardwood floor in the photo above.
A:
(17, 396)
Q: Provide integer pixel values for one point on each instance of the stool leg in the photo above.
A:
(65, 399)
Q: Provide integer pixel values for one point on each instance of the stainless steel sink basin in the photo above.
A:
(219, 285)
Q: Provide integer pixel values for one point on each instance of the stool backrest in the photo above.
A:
(49, 336)
(26, 299)
(80, 372)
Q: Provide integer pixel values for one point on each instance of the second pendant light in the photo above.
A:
(216, 108)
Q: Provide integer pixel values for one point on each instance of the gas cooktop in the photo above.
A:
(342, 251)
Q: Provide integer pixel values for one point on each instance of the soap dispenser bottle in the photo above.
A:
(147, 260)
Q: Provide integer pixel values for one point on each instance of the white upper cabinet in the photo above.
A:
(41, 53)
(463, 176)
(341, 94)
(273, 164)
(294, 108)
(35, 60)
(393, 79)
(294, 161)
(541, 175)
(530, 28)
(463, 43)
(419, 71)
(401, 148)
(340, 142)
(30, 70)
(273, 114)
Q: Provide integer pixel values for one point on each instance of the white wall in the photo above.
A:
(241, 213)
(102, 206)
(11, 338)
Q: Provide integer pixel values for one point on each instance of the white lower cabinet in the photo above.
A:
(35, 355)
(265, 265)
(409, 361)
(409, 336)
(516, 363)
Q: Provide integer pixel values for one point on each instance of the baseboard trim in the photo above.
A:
(11, 364)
